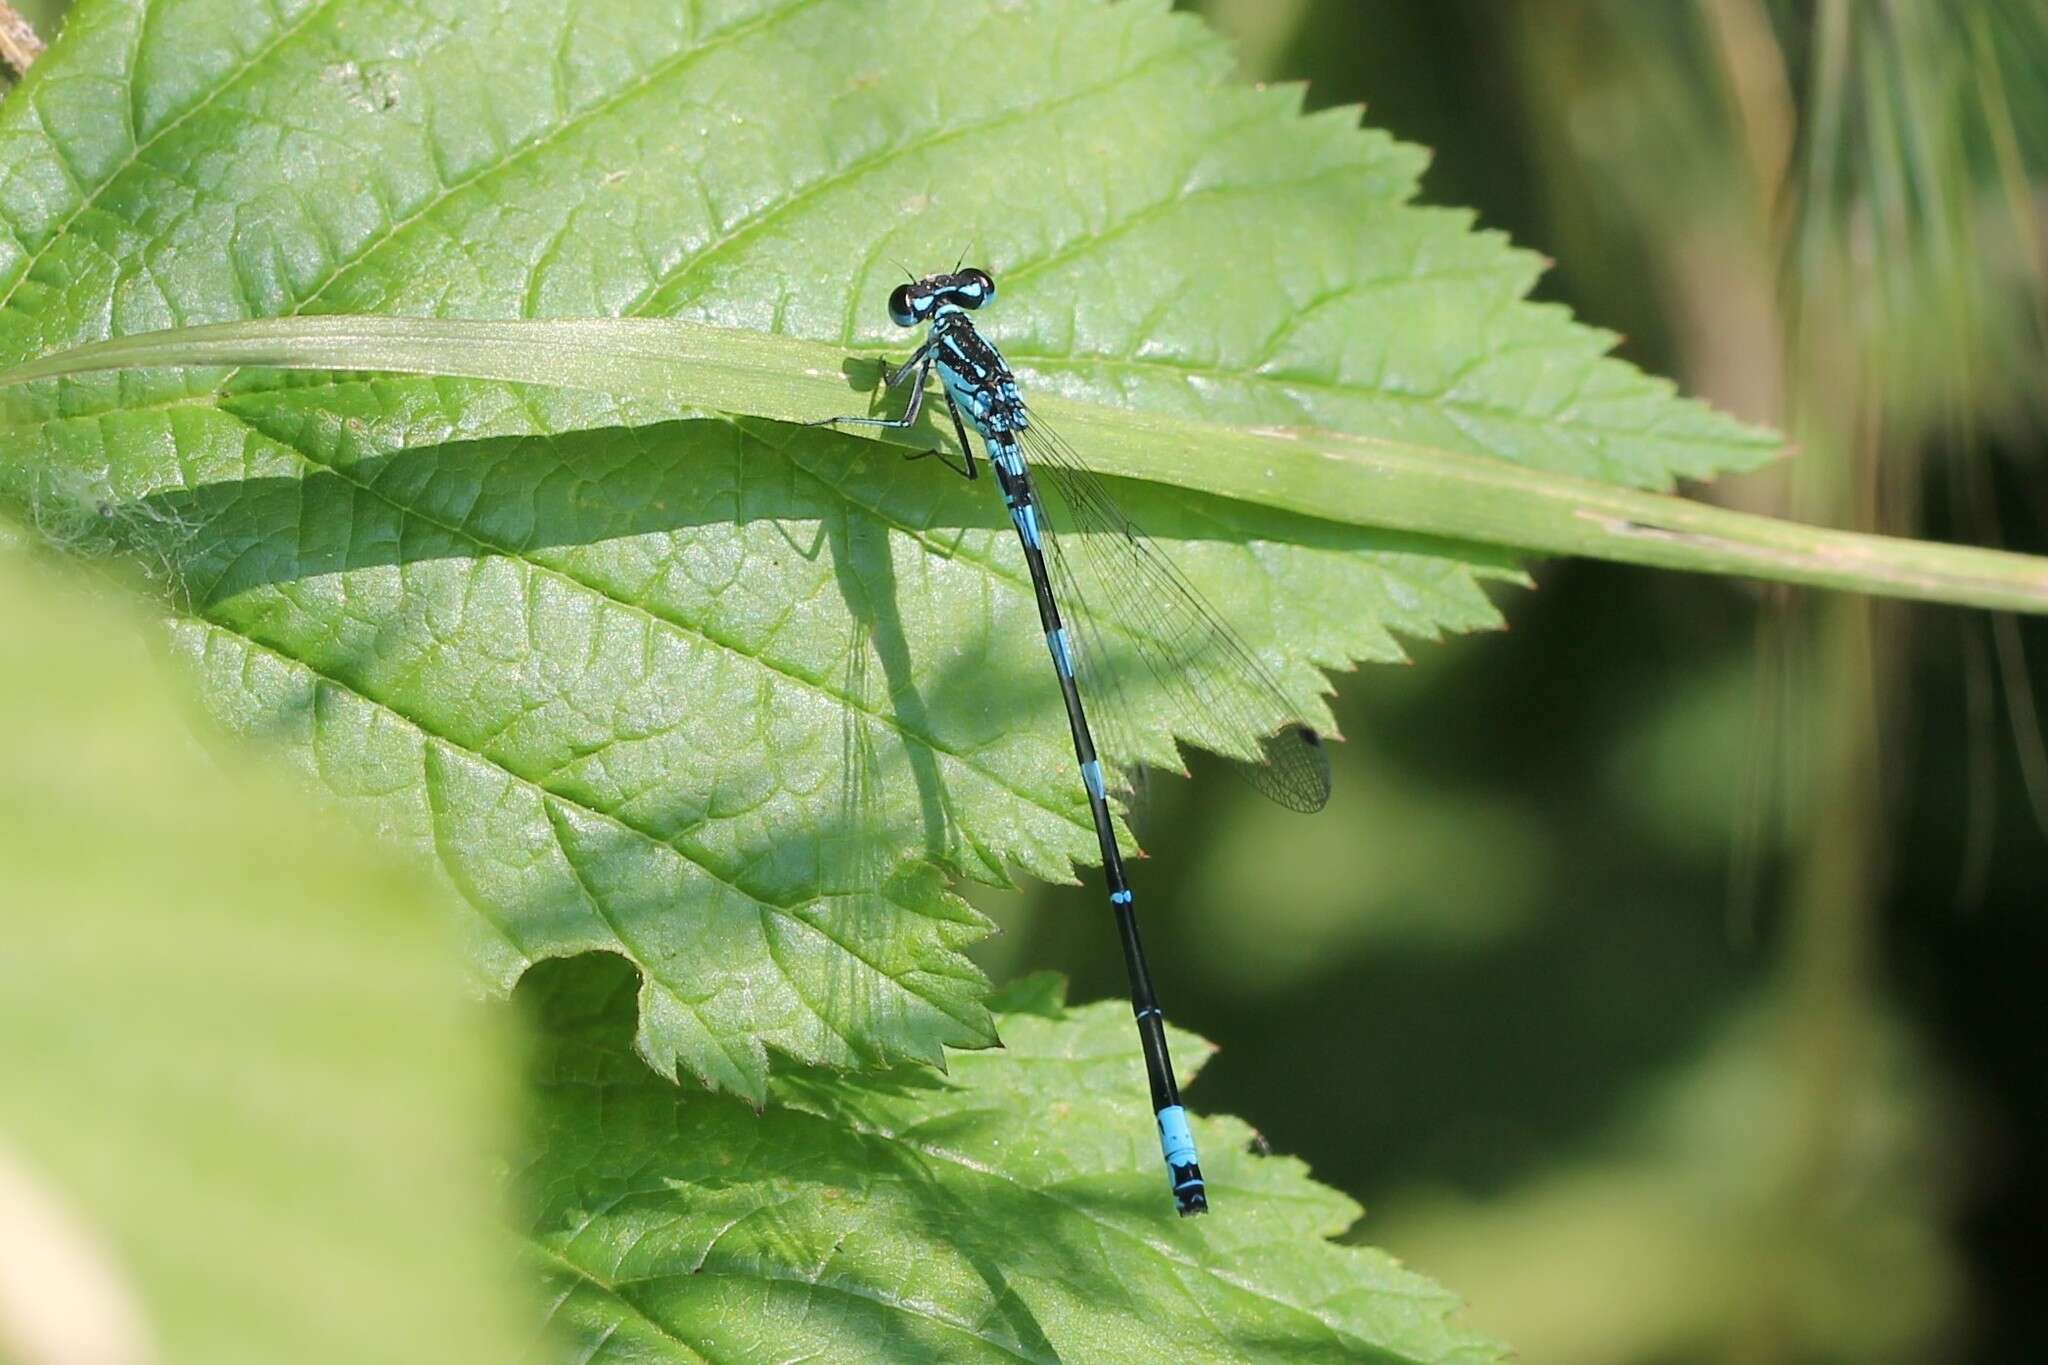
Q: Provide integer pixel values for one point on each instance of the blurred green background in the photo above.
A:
(1665, 975)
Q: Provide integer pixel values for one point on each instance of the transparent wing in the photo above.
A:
(1131, 597)
(1103, 693)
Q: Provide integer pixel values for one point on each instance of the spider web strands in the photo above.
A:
(1213, 688)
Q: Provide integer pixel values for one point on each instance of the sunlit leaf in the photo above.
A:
(733, 699)
(1004, 1212)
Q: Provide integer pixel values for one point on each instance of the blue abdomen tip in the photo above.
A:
(1176, 1141)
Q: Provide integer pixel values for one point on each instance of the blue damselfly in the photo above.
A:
(1209, 683)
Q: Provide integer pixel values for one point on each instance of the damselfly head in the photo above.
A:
(914, 303)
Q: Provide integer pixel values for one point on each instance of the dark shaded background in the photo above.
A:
(1666, 975)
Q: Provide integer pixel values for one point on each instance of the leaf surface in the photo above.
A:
(733, 699)
(1489, 505)
(1007, 1211)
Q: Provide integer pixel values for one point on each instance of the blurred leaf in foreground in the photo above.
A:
(237, 1067)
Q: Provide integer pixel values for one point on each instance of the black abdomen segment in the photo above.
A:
(1176, 1141)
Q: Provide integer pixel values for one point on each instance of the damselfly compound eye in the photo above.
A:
(900, 311)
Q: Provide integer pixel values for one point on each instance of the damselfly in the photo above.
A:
(1211, 687)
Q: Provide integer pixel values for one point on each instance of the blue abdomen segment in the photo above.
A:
(1091, 776)
(1183, 1165)
(1002, 449)
(1025, 516)
(1056, 641)
(1176, 1140)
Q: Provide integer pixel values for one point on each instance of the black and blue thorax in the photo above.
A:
(979, 386)
(985, 393)
(976, 378)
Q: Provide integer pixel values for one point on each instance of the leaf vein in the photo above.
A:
(691, 631)
(1105, 1226)
(652, 296)
(591, 1278)
(139, 149)
(902, 984)
(679, 61)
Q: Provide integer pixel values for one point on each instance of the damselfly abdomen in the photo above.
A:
(1210, 685)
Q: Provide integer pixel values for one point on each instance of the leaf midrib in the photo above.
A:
(428, 736)
(685, 629)
(553, 134)
(824, 184)
(583, 1276)
(140, 146)
(1123, 1233)
(612, 818)
(616, 1293)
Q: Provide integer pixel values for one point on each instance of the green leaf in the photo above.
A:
(680, 368)
(733, 700)
(245, 1114)
(1007, 1211)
